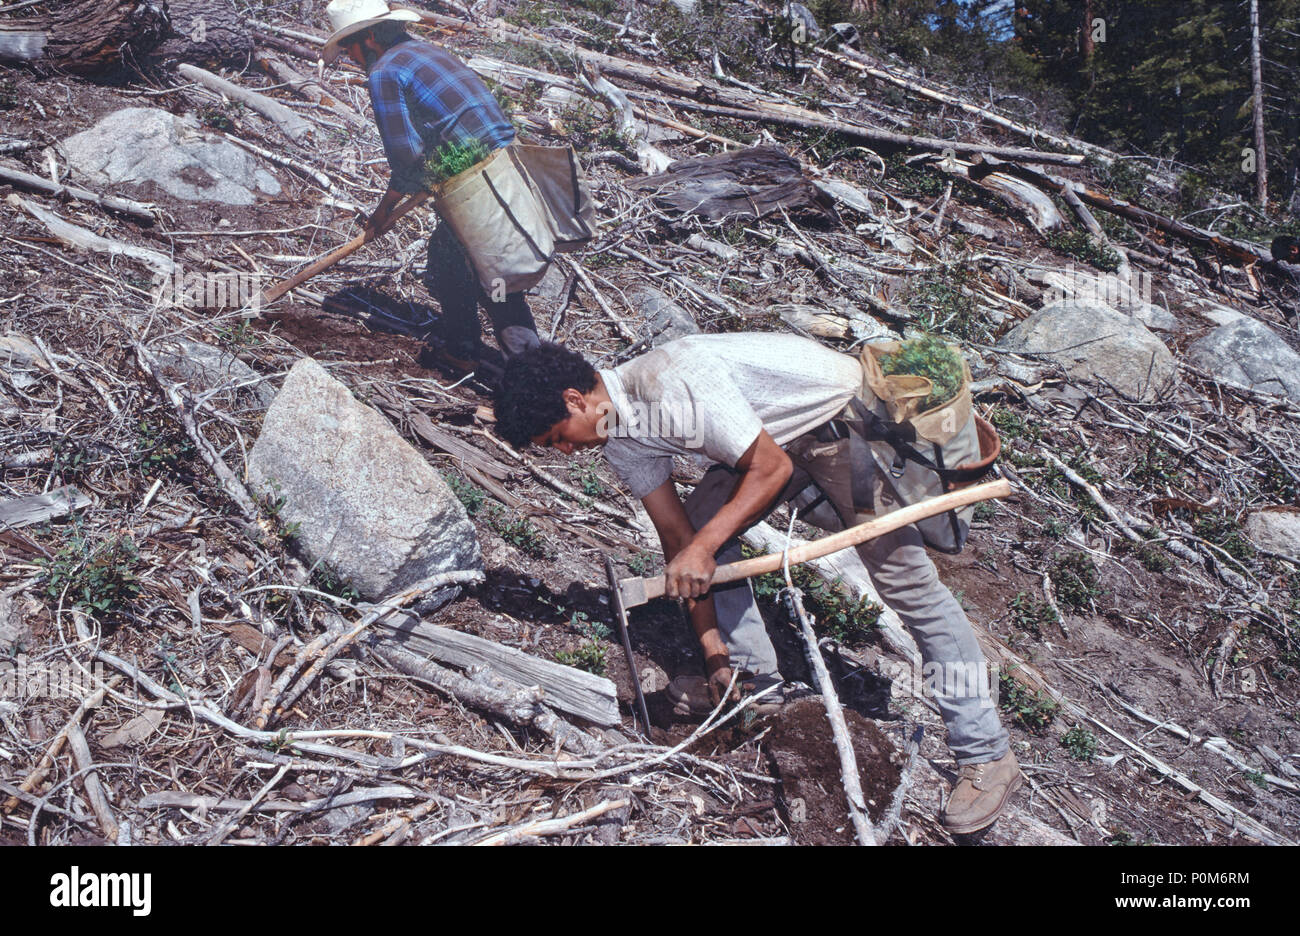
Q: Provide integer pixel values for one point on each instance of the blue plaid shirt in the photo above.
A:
(424, 97)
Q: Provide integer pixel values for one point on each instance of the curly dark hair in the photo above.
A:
(531, 400)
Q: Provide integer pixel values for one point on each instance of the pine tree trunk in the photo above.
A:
(1257, 91)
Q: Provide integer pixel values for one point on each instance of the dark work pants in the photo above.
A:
(451, 281)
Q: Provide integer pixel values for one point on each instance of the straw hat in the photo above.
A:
(352, 16)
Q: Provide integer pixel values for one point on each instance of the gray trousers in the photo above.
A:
(900, 569)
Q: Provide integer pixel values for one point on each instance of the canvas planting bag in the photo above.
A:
(924, 453)
(561, 187)
(506, 231)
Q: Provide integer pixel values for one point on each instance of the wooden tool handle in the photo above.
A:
(853, 536)
(352, 246)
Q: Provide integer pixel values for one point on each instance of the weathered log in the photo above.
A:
(489, 692)
(567, 689)
(1236, 250)
(1023, 196)
(690, 93)
(744, 183)
(289, 123)
(207, 32)
(85, 37)
(648, 157)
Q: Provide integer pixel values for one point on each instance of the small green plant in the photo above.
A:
(325, 578)
(158, 449)
(590, 655)
(274, 502)
(847, 620)
(239, 335)
(1156, 464)
(97, 577)
(1080, 743)
(467, 492)
(928, 357)
(944, 303)
(1256, 778)
(1224, 531)
(219, 118)
(1083, 246)
(642, 563)
(586, 477)
(453, 158)
(1033, 711)
(518, 531)
(1011, 425)
(1075, 578)
(1028, 613)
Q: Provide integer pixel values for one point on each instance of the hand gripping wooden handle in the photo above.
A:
(637, 591)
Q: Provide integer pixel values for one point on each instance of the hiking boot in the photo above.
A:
(981, 793)
(690, 695)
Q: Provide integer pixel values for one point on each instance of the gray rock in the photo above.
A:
(1091, 341)
(1154, 316)
(145, 144)
(1250, 353)
(551, 285)
(801, 17)
(1276, 529)
(666, 319)
(847, 34)
(210, 368)
(363, 500)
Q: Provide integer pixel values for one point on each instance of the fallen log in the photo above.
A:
(742, 106)
(802, 119)
(1022, 195)
(1239, 251)
(488, 692)
(85, 37)
(861, 64)
(750, 183)
(289, 123)
(570, 690)
(649, 158)
(139, 210)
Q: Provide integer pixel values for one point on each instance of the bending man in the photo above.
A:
(767, 412)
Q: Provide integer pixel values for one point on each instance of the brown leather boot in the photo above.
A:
(981, 793)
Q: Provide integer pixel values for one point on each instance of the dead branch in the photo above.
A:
(834, 712)
(139, 210)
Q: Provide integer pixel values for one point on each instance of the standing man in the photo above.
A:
(769, 412)
(425, 98)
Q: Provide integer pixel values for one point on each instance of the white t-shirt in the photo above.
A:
(710, 395)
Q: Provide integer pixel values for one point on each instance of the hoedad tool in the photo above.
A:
(621, 617)
(632, 592)
(324, 263)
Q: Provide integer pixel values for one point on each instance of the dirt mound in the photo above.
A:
(801, 755)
